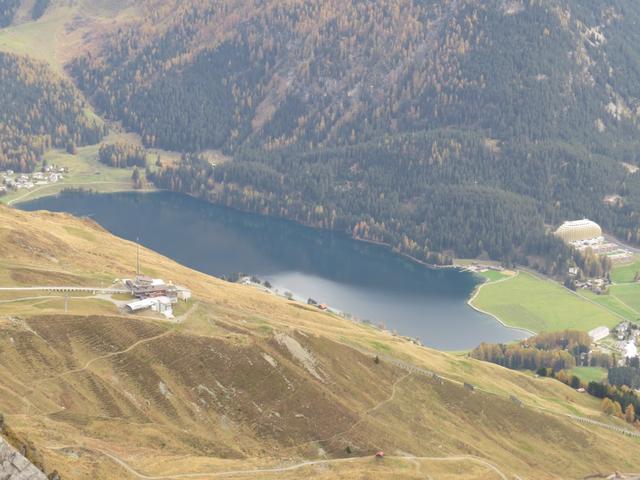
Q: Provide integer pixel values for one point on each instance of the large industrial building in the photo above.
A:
(583, 234)
(580, 232)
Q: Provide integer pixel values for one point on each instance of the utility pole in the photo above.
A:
(66, 302)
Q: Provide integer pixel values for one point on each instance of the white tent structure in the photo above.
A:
(579, 231)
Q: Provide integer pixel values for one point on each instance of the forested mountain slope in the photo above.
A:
(378, 117)
(246, 380)
(38, 111)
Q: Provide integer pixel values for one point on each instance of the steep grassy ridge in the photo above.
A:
(248, 381)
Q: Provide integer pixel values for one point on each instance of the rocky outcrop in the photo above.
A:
(14, 466)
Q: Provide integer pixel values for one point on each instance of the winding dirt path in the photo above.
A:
(289, 468)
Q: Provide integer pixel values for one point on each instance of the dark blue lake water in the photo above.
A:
(367, 281)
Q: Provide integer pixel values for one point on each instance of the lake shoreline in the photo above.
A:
(475, 294)
(429, 316)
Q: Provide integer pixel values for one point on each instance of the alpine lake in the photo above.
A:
(366, 281)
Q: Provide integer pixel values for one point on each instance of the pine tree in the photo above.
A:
(135, 178)
(607, 406)
(630, 413)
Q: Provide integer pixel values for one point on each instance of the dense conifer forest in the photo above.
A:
(122, 155)
(8, 9)
(39, 7)
(417, 124)
(37, 112)
(420, 125)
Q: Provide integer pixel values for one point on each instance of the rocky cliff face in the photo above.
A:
(14, 466)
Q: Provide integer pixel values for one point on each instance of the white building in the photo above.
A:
(599, 333)
(630, 350)
(580, 233)
(163, 305)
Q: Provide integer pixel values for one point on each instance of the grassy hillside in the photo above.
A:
(250, 381)
(67, 29)
(59, 115)
(539, 305)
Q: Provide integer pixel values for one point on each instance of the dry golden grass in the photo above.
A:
(252, 381)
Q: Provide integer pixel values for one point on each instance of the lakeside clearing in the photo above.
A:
(536, 304)
(85, 171)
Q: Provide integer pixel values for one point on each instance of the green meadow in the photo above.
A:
(530, 302)
(626, 273)
(590, 374)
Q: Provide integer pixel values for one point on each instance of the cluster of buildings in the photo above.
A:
(10, 180)
(596, 285)
(625, 337)
(154, 294)
(583, 234)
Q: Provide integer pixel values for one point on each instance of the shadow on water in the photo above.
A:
(368, 281)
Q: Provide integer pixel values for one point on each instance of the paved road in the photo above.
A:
(612, 239)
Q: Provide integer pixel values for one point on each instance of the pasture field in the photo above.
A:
(626, 273)
(527, 301)
(66, 30)
(590, 374)
(629, 295)
(612, 302)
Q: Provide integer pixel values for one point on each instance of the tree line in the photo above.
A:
(547, 351)
(122, 155)
(618, 401)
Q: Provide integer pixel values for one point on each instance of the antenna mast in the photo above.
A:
(138, 257)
